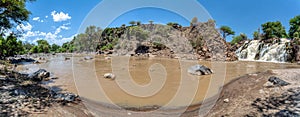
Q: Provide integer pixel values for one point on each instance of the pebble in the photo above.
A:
(109, 76)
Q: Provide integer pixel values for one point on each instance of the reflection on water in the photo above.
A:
(90, 82)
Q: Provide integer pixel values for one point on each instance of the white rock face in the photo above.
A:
(256, 50)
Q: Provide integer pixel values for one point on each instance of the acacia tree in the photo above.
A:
(295, 27)
(226, 31)
(273, 30)
(132, 23)
(151, 22)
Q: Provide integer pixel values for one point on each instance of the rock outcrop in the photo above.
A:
(200, 41)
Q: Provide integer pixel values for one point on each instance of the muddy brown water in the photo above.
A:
(145, 82)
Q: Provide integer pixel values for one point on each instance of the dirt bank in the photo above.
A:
(243, 96)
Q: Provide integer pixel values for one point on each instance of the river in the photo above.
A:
(144, 82)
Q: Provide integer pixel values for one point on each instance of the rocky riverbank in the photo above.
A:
(25, 95)
(260, 95)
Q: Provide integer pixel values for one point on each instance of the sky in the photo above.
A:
(58, 21)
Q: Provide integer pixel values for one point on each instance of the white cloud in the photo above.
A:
(46, 16)
(58, 17)
(23, 27)
(36, 18)
(51, 37)
(60, 28)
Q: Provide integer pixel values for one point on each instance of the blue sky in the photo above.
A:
(59, 20)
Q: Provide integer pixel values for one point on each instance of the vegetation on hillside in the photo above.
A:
(95, 39)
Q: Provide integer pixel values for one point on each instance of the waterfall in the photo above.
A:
(256, 50)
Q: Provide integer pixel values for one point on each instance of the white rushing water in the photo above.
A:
(257, 51)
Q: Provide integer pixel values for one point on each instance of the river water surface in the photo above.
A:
(144, 82)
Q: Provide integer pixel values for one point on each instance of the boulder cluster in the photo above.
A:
(24, 94)
(284, 104)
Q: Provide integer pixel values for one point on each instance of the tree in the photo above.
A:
(10, 46)
(194, 21)
(151, 22)
(226, 31)
(237, 39)
(138, 23)
(12, 13)
(55, 48)
(295, 27)
(34, 49)
(273, 30)
(256, 35)
(43, 46)
(132, 23)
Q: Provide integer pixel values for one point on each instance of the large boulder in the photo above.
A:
(39, 75)
(199, 70)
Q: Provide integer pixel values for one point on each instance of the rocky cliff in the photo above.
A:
(200, 41)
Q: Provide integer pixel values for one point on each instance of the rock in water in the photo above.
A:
(109, 76)
(199, 70)
(39, 75)
(277, 81)
(88, 58)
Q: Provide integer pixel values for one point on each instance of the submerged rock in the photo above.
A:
(277, 81)
(109, 76)
(199, 70)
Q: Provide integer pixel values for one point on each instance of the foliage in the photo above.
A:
(87, 41)
(256, 35)
(159, 46)
(197, 43)
(13, 12)
(295, 27)
(139, 33)
(174, 25)
(10, 46)
(34, 49)
(151, 22)
(54, 48)
(138, 23)
(273, 30)
(226, 31)
(194, 21)
(132, 23)
(237, 39)
(43, 46)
